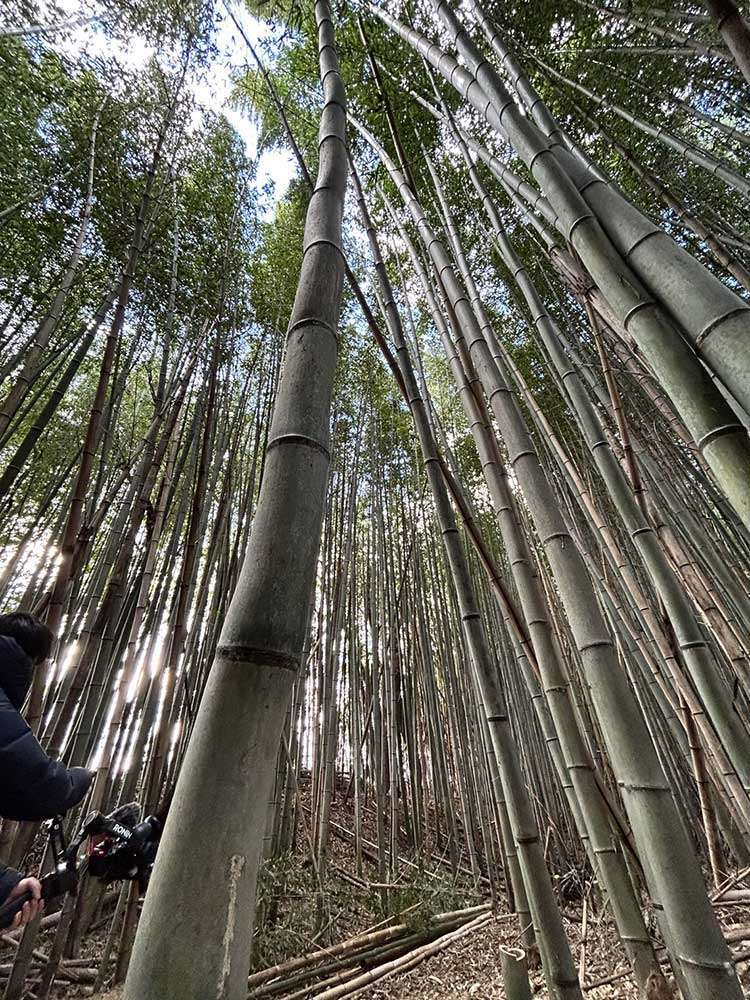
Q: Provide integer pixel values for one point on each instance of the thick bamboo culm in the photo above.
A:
(515, 974)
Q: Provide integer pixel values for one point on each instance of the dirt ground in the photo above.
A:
(471, 969)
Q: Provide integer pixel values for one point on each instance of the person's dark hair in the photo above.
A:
(32, 635)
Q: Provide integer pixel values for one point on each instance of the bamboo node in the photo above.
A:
(314, 320)
(717, 432)
(269, 657)
(302, 439)
(710, 327)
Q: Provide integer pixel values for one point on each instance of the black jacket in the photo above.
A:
(9, 879)
(32, 785)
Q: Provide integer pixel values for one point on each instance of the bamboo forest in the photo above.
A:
(375, 469)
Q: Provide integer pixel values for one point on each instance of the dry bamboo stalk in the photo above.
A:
(404, 963)
(339, 977)
(365, 940)
(348, 947)
(729, 882)
(734, 934)
(735, 896)
(341, 970)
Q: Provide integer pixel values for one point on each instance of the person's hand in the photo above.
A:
(31, 908)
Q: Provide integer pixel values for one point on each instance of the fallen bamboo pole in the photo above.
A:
(81, 975)
(730, 881)
(403, 964)
(347, 947)
(369, 850)
(367, 939)
(344, 967)
(735, 896)
(340, 977)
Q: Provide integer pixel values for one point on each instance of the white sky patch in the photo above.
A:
(211, 86)
(215, 88)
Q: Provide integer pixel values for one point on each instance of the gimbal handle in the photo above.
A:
(53, 884)
(63, 878)
(9, 910)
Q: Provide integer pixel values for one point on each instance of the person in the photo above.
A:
(33, 786)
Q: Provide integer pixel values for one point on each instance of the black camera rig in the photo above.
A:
(118, 847)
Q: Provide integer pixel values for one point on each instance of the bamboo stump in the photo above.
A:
(515, 974)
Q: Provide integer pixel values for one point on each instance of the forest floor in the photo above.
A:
(471, 969)
(468, 968)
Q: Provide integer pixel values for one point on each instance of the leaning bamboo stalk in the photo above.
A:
(689, 219)
(638, 768)
(559, 969)
(52, 970)
(695, 651)
(529, 200)
(734, 30)
(605, 252)
(553, 676)
(114, 927)
(263, 633)
(680, 38)
(641, 605)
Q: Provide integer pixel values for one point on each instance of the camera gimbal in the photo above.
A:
(119, 847)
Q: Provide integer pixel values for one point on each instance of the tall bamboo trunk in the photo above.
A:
(217, 818)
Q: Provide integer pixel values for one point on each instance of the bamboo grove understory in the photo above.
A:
(400, 515)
